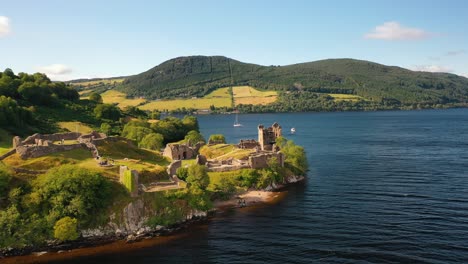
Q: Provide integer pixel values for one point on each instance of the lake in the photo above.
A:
(383, 187)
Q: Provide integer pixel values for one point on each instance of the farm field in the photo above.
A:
(250, 95)
(218, 98)
(116, 97)
(97, 82)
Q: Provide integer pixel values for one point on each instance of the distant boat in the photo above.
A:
(293, 130)
(237, 124)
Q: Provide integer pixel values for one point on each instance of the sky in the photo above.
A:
(89, 39)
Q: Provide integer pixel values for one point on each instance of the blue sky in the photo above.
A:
(72, 39)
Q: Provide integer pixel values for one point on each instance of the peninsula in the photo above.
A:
(138, 176)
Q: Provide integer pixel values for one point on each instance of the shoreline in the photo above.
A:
(109, 244)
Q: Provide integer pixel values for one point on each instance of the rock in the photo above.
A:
(39, 253)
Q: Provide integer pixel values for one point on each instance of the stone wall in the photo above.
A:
(248, 144)
(267, 136)
(180, 151)
(260, 160)
(39, 145)
(9, 153)
(27, 152)
(172, 168)
(122, 170)
(31, 140)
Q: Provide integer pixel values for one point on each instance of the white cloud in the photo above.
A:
(5, 27)
(455, 52)
(394, 31)
(431, 68)
(56, 69)
(56, 72)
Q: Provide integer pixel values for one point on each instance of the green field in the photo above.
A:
(116, 97)
(250, 95)
(97, 82)
(218, 98)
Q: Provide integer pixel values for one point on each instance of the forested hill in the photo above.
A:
(198, 75)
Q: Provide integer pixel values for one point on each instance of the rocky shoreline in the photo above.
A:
(99, 237)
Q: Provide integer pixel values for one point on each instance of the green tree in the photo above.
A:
(107, 111)
(136, 133)
(217, 138)
(197, 177)
(35, 93)
(66, 229)
(190, 123)
(72, 191)
(296, 159)
(4, 183)
(182, 173)
(95, 97)
(105, 128)
(155, 115)
(194, 137)
(152, 141)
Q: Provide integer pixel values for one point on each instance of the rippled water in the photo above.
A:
(384, 187)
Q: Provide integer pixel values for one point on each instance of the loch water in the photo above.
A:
(383, 187)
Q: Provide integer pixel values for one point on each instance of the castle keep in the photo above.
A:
(267, 136)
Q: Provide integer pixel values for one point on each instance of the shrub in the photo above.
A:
(218, 138)
(197, 177)
(66, 229)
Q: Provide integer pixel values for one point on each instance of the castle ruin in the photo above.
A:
(267, 136)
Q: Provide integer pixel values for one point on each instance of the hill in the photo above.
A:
(198, 75)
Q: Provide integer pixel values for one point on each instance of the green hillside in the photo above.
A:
(198, 75)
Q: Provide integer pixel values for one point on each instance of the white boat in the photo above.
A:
(237, 124)
(293, 130)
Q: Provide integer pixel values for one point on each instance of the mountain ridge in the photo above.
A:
(189, 76)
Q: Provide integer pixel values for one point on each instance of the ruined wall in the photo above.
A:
(267, 136)
(172, 168)
(27, 152)
(134, 175)
(248, 144)
(260, 160)
(39, 145)
(201, 160)
(31, 140)
(179, 151)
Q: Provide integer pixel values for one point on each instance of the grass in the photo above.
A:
(224, 152)
(138, 159)
(76, 127)
(75, 156)
(122, 149)
(215, 177)
(218, 98)
(236, 154)
(116, 97)
(5, 141)
(346, 97)
(96, 82)
(214, 151)
(250, 95)
(187, 163)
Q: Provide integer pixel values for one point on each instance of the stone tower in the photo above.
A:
(267, 136)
